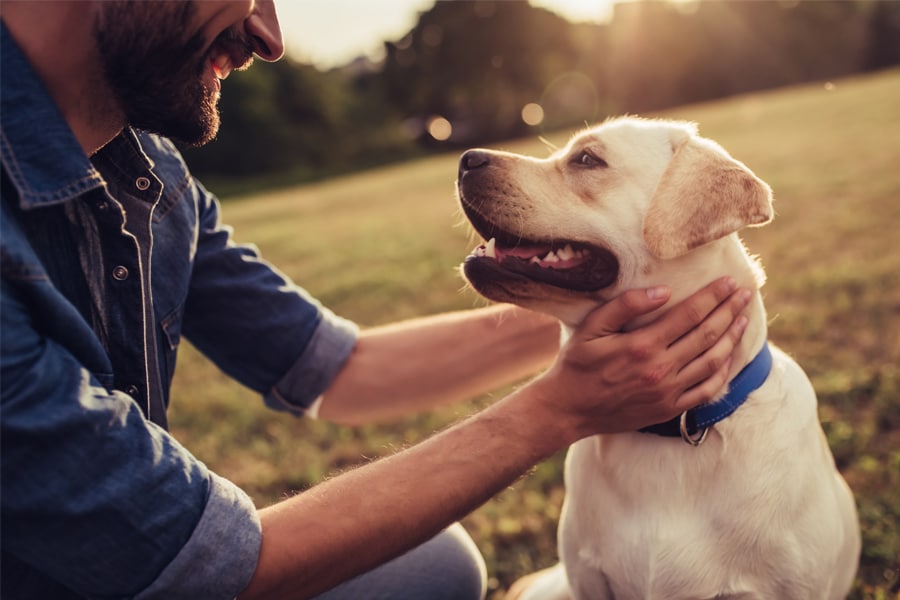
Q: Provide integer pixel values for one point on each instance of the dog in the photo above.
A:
(737, 499)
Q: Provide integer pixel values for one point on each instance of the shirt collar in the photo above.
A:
(39, 152)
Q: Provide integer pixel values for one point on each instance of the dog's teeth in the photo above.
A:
(551, 257)
(566, 253)
(535, 260)
(489, 248)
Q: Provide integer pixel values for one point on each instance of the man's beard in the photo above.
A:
(158, 78)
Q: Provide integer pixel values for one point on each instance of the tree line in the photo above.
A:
(477, 71)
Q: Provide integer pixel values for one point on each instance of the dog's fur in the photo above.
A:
(759, 509)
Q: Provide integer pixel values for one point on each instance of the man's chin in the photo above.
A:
(203, 135)
(191, 130)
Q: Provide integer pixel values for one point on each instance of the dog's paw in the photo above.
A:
(547, 584)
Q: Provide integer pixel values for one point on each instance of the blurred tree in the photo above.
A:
(884, 35)
(665, 54)
(478, 63)
(274, 116)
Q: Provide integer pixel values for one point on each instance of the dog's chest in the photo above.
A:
(647, 514)
(642, 524)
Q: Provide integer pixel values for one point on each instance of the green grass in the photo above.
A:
(384, 245)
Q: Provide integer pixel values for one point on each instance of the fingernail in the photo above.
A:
(741, 322)
(658, 292)
(730, 283)
(745, 296)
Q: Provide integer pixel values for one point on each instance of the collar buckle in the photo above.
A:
(697, 439)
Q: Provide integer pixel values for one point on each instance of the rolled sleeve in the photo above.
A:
(328, 350)
(278, 339)
(221, 554)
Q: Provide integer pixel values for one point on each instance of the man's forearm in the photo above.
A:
(365, 517)
(422, 363)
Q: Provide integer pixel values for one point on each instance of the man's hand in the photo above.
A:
(609, 381)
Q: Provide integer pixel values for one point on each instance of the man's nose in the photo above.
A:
(264, 31)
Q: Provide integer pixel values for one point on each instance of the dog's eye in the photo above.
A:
(586, 159)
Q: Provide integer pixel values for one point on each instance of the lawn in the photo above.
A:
(384, 245)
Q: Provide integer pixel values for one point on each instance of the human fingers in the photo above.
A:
(710, 363)
(627, 306)
(705, 391)
(711, 330)
(690, 312)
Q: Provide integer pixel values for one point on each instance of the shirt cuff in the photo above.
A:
(327, 351)
(221, 555)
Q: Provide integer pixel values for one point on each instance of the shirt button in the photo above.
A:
(132, 391)
(120, 273)
(103, 206)
(142, 183)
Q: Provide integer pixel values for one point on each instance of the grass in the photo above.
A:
(384, 244)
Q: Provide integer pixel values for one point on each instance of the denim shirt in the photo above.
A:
(107, 262)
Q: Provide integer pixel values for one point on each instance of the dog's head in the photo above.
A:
(632, 202)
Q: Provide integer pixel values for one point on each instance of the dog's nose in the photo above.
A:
(473, 159)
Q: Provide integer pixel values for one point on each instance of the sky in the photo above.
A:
(330, 33)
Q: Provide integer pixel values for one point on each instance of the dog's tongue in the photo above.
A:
(522, 252)
(525, 251)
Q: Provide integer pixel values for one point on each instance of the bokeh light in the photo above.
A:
(439, 128)
(533, 114)
(570, 97)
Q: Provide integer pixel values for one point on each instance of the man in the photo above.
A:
(111, 252)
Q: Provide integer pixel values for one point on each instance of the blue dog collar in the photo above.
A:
(693, 425)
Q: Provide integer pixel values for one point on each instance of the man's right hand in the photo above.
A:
(608, 381)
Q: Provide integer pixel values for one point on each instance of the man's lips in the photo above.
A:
(229, 53)
(221, 66)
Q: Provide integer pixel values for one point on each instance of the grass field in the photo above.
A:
(384, 245)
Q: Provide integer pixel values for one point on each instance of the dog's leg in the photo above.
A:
(548, 584)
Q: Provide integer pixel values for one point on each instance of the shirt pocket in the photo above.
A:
(170, 325)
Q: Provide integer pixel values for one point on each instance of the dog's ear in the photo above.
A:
(703, 195)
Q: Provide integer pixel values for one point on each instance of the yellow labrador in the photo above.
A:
(739, 498)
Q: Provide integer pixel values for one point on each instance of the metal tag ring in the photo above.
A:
(693, 441)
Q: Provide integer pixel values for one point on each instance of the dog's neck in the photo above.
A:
(727, 256)
(684, 275)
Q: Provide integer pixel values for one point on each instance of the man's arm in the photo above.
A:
(415, 365)
(96, 499)
(600, 383)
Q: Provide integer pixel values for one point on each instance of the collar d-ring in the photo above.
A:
(686, 436)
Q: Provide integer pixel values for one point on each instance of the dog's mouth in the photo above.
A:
(566, 264)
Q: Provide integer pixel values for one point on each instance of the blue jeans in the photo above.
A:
(448, 567)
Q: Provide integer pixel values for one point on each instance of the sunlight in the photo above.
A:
(597, 11)
(686, 7)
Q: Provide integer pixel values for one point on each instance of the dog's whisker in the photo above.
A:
(550, 145)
